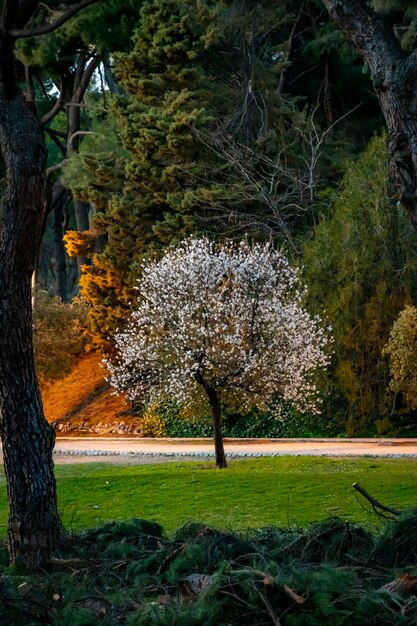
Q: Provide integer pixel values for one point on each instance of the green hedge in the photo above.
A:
(169, 419)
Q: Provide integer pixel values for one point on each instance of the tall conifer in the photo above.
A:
(360, 267)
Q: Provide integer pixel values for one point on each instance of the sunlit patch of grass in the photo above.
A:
(285, 491)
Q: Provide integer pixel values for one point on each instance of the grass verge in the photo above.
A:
(285, 491)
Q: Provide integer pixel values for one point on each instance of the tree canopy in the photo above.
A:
(223, 322)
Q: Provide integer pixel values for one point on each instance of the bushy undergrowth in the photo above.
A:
(58, 335)
(170, 419)
(332, 573)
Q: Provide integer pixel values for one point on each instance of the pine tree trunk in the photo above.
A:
(214, 402)
(393, 72)
(83, 223)
(60, 258)
(400, 113)
(34, 525)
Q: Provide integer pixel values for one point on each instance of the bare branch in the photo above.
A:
(55, 168)
(79, 133)
(49, 28)
(374, 502)
(284, 190)
(57, 107)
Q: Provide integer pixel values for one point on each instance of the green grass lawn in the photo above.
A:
(283, 491)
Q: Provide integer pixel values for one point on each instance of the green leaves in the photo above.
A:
(360, 268)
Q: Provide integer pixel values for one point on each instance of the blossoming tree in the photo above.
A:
(222, 322)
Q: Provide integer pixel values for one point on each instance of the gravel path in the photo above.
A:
(136, 450)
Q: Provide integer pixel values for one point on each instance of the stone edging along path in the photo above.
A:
(235, 448)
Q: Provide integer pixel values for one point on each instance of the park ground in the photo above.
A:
(268, 541)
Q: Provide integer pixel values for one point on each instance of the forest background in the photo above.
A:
(229, 119)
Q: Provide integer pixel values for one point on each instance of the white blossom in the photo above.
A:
(225, 316)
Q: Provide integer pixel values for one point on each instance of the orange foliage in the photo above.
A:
(83, 396)
(79, 243)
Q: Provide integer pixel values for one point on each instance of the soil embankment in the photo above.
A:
(84, 403)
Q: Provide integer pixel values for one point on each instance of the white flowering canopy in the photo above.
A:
(228, 317)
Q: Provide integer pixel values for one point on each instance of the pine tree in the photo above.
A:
(216, 132)
(186, 83)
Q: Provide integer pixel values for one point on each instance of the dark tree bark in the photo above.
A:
(86, 66)
(82, 218)
(60, 258)
(282, 83)
(28, 440)
(214, 402)
(394, 76)
(60, 199)
(72, 90)
(34, 525)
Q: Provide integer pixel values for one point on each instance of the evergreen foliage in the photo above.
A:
(131, 573)
(360, 268)
(161, 77)
(204, 143)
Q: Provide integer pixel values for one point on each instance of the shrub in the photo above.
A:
(402, 354)
(167, 418)
(152, 424)
(58, 335)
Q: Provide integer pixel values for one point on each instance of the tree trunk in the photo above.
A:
(214, 402)
(83, 72)
(400, 113)
(82, 215)
(327, 96)
(60, 257)
(282, 83)
(34, 525)
(83, 223)
(394, 76)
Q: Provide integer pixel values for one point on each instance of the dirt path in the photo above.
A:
(136, 450)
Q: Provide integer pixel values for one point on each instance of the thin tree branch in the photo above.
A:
(49, 28)
(55, 168)
(54, 136)
(57, 107)
(79, 133)
(42, 86)
(374, 502)
(86, 78)
(58, 133)
(79, 70)
(288, 54)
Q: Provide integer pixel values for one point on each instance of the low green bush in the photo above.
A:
(170, 419)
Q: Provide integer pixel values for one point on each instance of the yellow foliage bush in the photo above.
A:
(401, 350)
(79, 243)
(152, 425)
